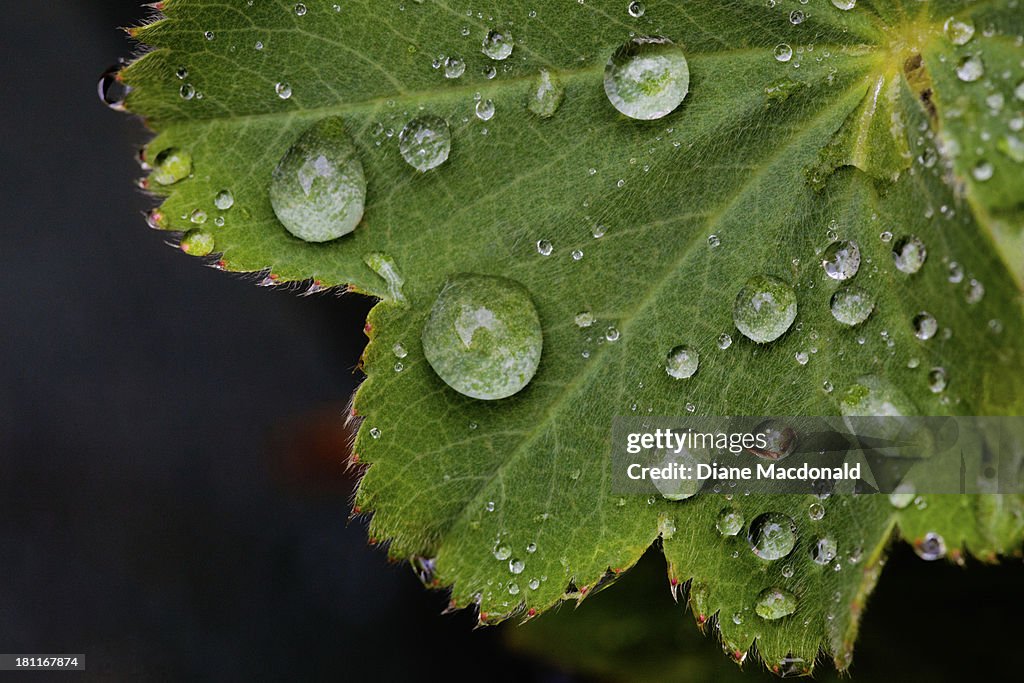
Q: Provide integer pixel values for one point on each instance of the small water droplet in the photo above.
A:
(483, 336)
(544, 247)
(903, 495)
(635, 9)
(516, 566)
(502, 552)
(816, 511)
(844, 5)
(612, 334)
(374, 432)
(300, 10)
(425, 142)
(724, 341)
(283, 90)
(982, 171)
(647, 78)
(111, 89)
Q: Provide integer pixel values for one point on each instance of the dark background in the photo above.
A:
(171, 498)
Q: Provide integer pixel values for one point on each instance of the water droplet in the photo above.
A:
(374, 432)
(982, 171)
(903, 495)
(816, 511)
(483, 336)
(909, 254)
(170, 166)
(796, 17)
(764, 308)
(931, 547)
(775, 603)
(937, 380)
(975, 291)
(824, 551)
(502, 552)
(871, 396)
(318, 188)
(714, 241)
(534, 584)
(956, 272)
(612, 334)
(283, 90)
(224, 200)
(546, 96)
(111, 90)
(844, 5)
(577, 254)
(772, 536)
(841, 260)
(454, 67)
(197, 243)
(498, 44)
(970, 68)
(531, 548)
(584, 319)
(399, 350)
(300, 10)
(958, 32)
(852, 305)
(783, 52)
(516, 566)
(485, 110)
(682, 362)
(198, 216)
(635, 9)
(724, 341)
(513, 588)
(425, 142)
(925, 325)
(187, 91)
(730, 522)
(490, 506)
(647, 78)
(737, 618)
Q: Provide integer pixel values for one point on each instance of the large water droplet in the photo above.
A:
(498, 44)
(764, 308)
(841, 260)
(852, 305)
(171, 166)
(647, 78)
(778, 437)
(682, 362)
(483, 336)
(318, 188)
(425, 142)
(909, 254)
(772, 536)
(546, 96)
(783, 52)
(844, 4)
(775, 603)
(197, 243)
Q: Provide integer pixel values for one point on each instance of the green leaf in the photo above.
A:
(867, 133)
